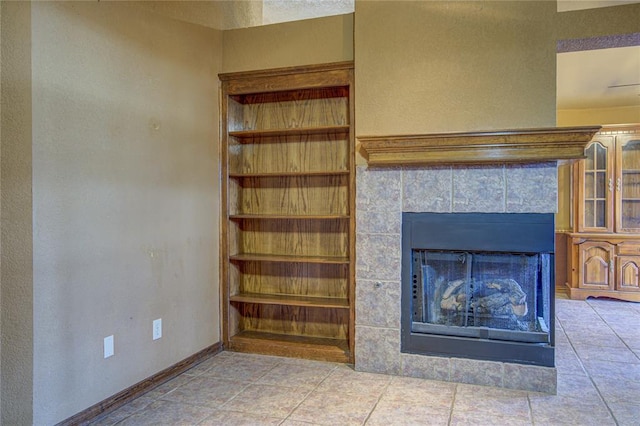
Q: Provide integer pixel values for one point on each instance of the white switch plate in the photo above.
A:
(157, 329)
(108, 346)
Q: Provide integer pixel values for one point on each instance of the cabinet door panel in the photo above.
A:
(595, 188)
(628, 184)
(596, 271)
(628, 268)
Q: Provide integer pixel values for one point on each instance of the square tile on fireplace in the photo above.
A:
(378, 303)
(378, 350)
(427, 189)
(486, 373)
(478, 189)
(379, 222)
(378, 189)
(378, 257)
(530, 377)
(532, 188)
(426, 367)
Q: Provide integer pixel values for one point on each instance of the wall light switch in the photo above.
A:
(108, 346)
(157, 329)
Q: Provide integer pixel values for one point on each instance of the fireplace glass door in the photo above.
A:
(485, 295)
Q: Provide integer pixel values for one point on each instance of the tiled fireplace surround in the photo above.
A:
(383, 193)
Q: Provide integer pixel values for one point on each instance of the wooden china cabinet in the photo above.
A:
(604, 247)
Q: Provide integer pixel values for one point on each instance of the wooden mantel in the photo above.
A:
(504, 146)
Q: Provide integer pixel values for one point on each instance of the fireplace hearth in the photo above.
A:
(478, 285)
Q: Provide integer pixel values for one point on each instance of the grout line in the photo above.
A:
(453, 403)
(530, 408)
(386, 387)
(335, 367)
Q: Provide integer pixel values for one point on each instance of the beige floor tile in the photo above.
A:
(576, 386)
(273, 401)
(598, 353)
(627, 414)
(429, 393)
(123, 412)
(613, 389)
(207, 391)
(482, 418)
(168, 413)
(242, 368)
(344, 380)
(169, 386)
(296, 375)
(474, 391)
(554, 410)
(515, 407)
(335, 408)
(238, 418)
(409, 412)
(289, 422)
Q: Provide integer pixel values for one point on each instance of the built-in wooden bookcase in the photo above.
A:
(288, 226)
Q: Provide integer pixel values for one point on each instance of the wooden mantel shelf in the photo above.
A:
(505, 146)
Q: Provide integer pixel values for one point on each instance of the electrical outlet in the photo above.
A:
(108, 346)
(157, 329)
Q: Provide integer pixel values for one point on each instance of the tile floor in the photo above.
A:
(598, 360)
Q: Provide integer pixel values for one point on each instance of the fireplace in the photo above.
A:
(479, 286)
(508, 173)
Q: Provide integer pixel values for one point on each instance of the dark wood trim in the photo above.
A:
(123, 397)
(520, 145)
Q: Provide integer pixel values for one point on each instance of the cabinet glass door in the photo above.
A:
(628, 185)
(597, 187)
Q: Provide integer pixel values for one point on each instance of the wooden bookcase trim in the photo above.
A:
(288, 174)
(286, 217)
(243, 135)
(318, 348)
(291, 300)
(287, 79)
(248, 257)
(525, 145)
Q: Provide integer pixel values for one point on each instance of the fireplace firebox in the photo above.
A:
(479, 285)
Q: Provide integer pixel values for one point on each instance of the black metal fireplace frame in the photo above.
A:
(489, 232)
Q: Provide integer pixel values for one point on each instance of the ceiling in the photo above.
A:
(586, 79)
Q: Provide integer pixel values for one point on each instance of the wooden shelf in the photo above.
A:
(285, 258)
(318, 348)
(243, 135)
(290, 174)
(291, 300)
(287, 217)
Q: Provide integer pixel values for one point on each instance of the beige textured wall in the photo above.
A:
(312, 41)
(425, 67)
(219, 14)
(586, 117)
(16, 277)
(125, 198)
